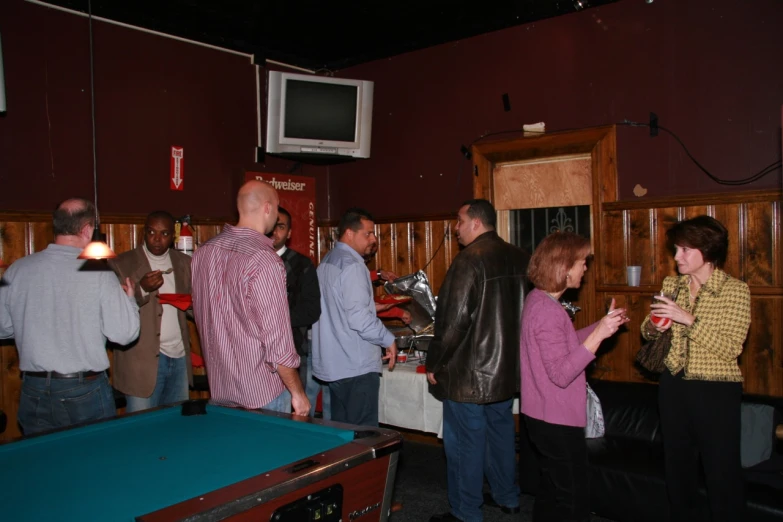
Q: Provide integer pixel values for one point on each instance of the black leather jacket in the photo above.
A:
(475, 351)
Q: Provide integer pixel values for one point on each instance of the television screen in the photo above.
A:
(316, 115)
(320, 111)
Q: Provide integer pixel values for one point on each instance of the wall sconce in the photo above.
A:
(97, 249)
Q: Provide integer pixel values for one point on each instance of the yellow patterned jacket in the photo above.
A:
(708, 349)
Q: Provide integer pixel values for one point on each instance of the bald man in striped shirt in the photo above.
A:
(241, 308)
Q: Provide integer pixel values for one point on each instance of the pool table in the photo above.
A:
(197, 462)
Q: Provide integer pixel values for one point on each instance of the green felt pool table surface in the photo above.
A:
(130, 466)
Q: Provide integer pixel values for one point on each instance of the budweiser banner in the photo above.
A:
(297, 196)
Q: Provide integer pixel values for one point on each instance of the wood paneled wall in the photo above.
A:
(22, 234)
(635, 234)
(405, 247)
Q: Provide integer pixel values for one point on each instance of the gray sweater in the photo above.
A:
(60, 316)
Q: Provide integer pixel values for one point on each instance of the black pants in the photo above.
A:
(355, 399)
(563, 493)
(702, 418)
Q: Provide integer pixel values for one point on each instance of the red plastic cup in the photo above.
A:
(661, 322)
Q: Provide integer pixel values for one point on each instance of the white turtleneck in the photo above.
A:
(170, 334)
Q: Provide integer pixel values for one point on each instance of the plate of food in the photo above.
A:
(181, 301)
(393, 299)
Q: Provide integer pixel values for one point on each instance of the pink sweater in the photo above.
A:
(552, 363)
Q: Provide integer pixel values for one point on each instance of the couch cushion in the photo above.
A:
(774, 463)
(757, 433)
(764, 495)
(630, 409)
(634, 457)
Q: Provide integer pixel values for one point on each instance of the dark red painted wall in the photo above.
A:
(151, 93)
(710, 69)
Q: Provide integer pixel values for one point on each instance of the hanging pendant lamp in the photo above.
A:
(96, 249)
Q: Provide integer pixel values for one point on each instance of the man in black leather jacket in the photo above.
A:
(473, 361)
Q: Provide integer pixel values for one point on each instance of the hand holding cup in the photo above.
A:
(661, 322)
(665, 308)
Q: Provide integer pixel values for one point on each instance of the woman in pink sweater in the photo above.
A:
(553, 358)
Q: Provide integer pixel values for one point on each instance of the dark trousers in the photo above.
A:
(355, 399)
(479, 441)
(702, 418)
(563, 493)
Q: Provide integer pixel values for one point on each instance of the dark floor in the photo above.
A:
(421, 488)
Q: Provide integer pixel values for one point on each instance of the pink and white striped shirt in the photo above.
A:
(241, 308)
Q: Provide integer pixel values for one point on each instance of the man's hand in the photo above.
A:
(129, 287)
(391, 355)
(300, 404)
(290, 377)
(406, 317)
(388, 275)
(431, 378)
(151, 281)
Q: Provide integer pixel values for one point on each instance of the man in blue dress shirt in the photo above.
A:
(348, 337)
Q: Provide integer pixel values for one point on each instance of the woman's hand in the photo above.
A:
(606, 327)
(611, 322)
(667, 308)
(652, 327)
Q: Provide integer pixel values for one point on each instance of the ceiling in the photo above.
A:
(326, 34)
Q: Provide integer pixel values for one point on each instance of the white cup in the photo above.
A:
(634, 275)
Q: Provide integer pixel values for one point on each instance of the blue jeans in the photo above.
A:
(355, 399)
(171, 385)
(281, 403)
(312, 386)
(479, 440)
(46, 404)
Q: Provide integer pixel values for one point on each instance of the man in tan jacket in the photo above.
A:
(156, 369)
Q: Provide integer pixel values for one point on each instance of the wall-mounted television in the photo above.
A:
(317, 115)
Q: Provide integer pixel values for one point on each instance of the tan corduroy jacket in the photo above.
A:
(136, 365)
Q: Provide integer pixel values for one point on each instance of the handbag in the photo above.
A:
(652, 354)
(595, 427)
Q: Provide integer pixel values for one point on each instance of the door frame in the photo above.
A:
(599, 142)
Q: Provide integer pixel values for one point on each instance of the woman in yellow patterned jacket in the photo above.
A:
(700, 393)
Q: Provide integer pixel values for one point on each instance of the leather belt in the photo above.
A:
(55, 375)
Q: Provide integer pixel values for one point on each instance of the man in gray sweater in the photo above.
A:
(60, 318)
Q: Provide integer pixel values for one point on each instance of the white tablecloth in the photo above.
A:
(405, 401)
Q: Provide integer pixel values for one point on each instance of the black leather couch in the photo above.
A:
(626, 465)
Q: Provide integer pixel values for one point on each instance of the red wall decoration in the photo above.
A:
(297, 196)
(177, 175)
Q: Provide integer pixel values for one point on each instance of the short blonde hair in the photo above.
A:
(553, 257)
